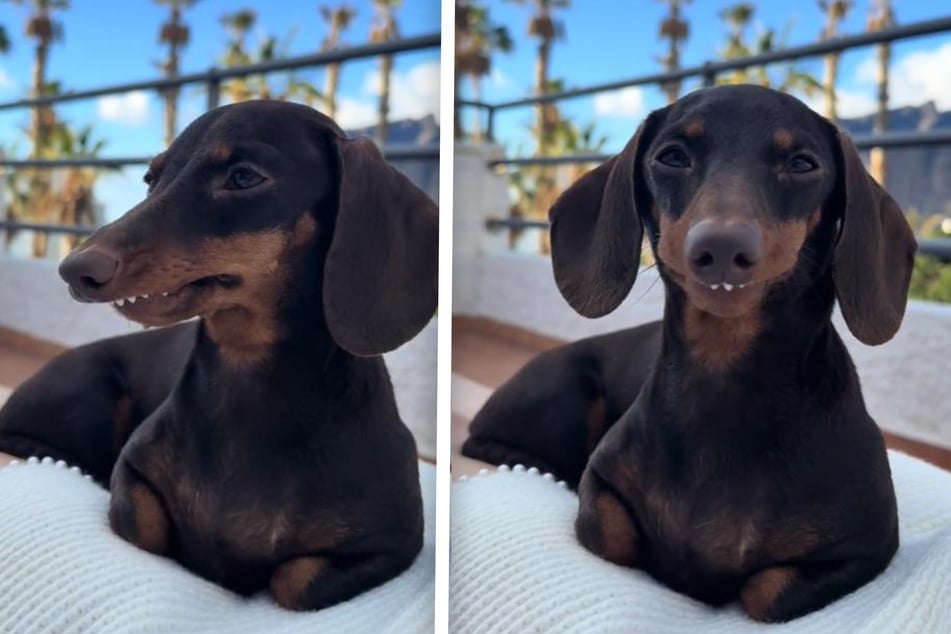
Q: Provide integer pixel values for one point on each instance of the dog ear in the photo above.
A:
(874, 256)
(596, 232)
(380, 276)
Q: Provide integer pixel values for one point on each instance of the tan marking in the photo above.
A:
(122, 423)
(783, 139)
(693, 128)
(291, 579)
(597, 422)
(813, 220)
(761, 591)
(151, 524)
(221, 152)
(719, 342)
(157, 164)
(242, 320)
(618, 535)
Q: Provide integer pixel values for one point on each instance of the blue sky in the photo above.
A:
(611, 40)
(116, 41)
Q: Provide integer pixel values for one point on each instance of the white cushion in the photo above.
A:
(516, 567)
(63, 570)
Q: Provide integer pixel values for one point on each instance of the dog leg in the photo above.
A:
(316, 582)
(783, 593)
(604, 525)
(136, 514)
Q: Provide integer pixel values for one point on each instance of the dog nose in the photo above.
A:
(723, 252)
(88, 271)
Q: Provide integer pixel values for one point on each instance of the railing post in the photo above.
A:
(214, 88)
(709, 76)
(490, 126)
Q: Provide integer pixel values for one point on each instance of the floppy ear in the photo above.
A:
(874, 256)
(596, 232)
(380, 275)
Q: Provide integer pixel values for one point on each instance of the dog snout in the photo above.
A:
(88, 271)
(720, 251)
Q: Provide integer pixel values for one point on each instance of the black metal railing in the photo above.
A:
(708, 72)
(212, 80)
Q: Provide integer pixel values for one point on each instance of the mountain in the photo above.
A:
(918, 177)
(412, 132)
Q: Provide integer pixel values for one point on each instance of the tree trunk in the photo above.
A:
(330, 90)
(386, 68)
(37, 128)
(877, 166)
(171, 95)
(541, 87)
(828, 86)
(458, 132)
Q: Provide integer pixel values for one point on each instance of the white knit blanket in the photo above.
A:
(516, 567)
(63, 571)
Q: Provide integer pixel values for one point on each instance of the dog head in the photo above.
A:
(256, 204)
(742, 190)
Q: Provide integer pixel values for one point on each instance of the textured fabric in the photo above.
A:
(63, 571)
(516, 567)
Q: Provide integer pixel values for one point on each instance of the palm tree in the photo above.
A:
(738, 18)
(476, 39)
(5, 44)
(547, 29)
(676, 31)
(835, 12)
(382, 29)
(338, 19)
(175, 34)
(239, 24)
(881, 17)
(45, 30)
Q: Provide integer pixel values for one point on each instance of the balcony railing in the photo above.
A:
(708, 73)
(212, 80)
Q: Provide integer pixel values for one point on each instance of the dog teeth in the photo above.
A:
(143, 296)
(741, 286)
(714, 287)
(131, 300)
(728, 287)
(119, 302)
(164, 294)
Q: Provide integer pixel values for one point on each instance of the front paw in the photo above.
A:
(136, 514)
(604, 525)
(762, 590)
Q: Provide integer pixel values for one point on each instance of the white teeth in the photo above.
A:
(120, 302)
(143, 296)
(742, 286)
(164, 294)
(131, 300)
(714, 287)
(728, 287)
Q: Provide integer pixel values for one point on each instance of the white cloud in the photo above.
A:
(848, 103)
(355, 113)
(627, 102)
(7, 83)
(414, 94)
(916, 78)
(922, 76)
(131, 109)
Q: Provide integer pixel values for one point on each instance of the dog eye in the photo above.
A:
(674, 157)
(243, 178)
(800, 164)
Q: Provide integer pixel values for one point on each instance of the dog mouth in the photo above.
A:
(724, 299)
(164, 307)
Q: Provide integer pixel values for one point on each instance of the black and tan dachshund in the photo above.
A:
(725, 450)
(259, 445)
